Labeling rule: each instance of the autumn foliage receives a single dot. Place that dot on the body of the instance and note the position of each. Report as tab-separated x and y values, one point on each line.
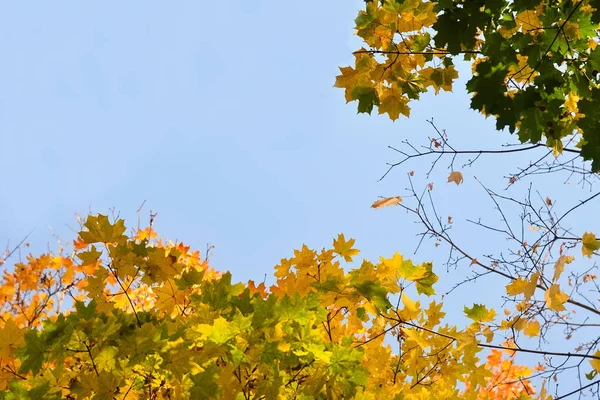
533	64
137	317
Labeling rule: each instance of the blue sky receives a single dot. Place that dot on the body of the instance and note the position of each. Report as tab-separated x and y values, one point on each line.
222	117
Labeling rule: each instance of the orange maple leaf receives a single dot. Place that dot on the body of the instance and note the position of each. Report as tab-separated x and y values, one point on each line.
456	177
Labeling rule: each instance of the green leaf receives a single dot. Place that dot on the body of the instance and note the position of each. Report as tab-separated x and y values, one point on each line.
375	293
367	97
189	279
205	384
32	353
532	126
106	359
100	230
479	313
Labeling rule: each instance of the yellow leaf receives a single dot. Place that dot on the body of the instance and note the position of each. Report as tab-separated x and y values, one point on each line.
532	328
388	201
589	244
417	337
455	177
523	286
11	337
450	74
488	333
559	267
571	102
344	248
411	308
555	298
393	103
595	363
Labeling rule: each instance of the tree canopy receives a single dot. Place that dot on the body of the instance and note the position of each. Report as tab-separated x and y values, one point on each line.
534	64
137	317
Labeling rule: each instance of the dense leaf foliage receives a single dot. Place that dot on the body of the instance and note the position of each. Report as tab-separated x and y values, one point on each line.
534	63
141	318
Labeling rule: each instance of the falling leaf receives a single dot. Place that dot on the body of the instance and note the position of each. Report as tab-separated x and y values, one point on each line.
589	244
559	267
455	177
387	201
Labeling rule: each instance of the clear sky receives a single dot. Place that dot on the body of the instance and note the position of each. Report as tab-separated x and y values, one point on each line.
221	115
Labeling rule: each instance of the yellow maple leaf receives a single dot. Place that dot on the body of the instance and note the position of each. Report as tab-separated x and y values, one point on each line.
555	298
532	328
392	102
456	177
11	337
523	286
559	267
411	308
488	334
595	363
571	102
589	244
450	74
344	248
387	201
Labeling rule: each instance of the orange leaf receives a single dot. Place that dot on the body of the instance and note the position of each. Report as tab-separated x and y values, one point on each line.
455	177
387	201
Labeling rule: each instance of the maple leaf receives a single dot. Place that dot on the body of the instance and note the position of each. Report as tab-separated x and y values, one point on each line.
479	313
344	248
589	244
532	328
523	286
559	266
455	177
387	201
393	103
99	229
595	363
555	298
11	338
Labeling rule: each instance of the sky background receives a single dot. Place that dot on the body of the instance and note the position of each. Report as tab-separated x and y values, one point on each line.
223	118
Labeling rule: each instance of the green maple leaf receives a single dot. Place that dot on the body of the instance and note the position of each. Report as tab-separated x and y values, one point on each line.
367	97
374	292
532	126
189	279
425	284
89	257
479	313
106	359
205	384
100	230
32	353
